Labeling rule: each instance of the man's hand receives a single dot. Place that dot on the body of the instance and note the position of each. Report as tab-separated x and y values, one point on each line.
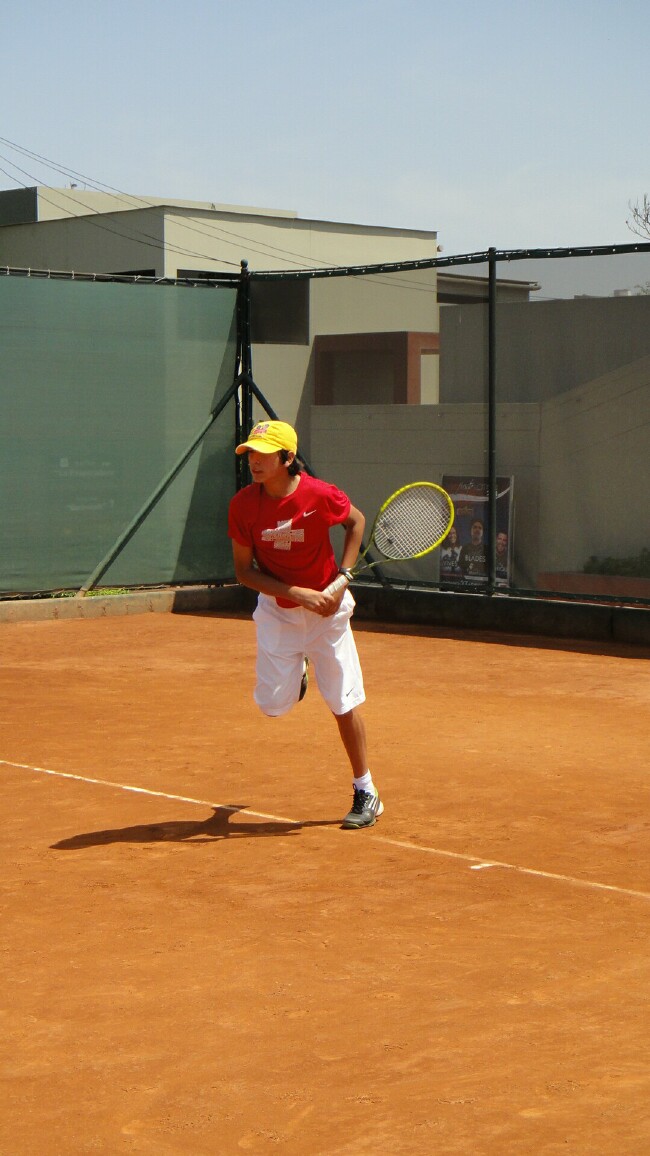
318	601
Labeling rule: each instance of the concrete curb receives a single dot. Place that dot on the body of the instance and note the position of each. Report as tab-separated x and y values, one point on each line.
179	600
617	625
506	614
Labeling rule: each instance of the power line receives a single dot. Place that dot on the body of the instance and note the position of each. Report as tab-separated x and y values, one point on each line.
212	231
136	235
140	202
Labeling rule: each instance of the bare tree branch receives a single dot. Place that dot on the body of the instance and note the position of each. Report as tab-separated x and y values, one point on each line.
639	222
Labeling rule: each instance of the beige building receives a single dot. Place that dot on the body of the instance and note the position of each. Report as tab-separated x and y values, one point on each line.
93	232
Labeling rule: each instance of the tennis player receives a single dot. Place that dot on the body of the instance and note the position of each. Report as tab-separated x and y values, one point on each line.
279	526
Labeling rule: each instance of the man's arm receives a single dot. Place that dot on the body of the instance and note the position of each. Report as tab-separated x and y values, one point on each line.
354	525
248	574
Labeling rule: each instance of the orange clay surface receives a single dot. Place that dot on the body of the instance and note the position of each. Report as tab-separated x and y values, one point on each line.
196	959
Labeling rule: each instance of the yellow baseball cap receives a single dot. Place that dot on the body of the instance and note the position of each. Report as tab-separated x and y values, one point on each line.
267	437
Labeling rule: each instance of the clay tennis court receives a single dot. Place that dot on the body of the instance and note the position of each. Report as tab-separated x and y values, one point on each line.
198	960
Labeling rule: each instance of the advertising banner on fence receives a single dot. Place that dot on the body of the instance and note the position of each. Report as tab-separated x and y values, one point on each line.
464	558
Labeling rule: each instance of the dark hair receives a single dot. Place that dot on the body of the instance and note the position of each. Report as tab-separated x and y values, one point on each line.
295	468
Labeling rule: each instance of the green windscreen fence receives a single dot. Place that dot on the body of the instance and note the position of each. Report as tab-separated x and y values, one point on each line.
103	387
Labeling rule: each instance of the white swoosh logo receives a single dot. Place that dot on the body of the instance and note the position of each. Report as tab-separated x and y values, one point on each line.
309	514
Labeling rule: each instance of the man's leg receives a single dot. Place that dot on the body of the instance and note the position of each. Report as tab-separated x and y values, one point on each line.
366	804
340	681
280	657
352	730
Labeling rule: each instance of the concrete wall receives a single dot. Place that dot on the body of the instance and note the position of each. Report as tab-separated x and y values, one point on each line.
370	451
581	464
544	348
384	302
110	244
595	470
286	242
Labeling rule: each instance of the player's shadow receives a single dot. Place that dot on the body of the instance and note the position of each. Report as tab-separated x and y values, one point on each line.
218	826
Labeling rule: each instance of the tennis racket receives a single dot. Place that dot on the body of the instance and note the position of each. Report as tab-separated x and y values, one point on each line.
410	524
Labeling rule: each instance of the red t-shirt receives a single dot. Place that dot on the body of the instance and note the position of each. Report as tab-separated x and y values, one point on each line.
290	536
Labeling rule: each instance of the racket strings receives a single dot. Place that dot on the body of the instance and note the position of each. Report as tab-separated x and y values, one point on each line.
414	521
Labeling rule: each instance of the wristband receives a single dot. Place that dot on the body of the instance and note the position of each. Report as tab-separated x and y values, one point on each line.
346	573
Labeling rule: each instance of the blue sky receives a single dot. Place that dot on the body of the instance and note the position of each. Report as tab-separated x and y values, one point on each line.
513	123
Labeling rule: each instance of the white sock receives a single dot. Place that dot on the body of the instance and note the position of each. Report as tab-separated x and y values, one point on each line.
365	783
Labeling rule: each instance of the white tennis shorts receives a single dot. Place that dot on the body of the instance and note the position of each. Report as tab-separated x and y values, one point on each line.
285	637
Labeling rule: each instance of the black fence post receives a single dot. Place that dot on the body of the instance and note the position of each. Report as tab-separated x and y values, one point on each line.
245	359
492	420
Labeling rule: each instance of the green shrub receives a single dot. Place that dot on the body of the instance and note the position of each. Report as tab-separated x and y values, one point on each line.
635	566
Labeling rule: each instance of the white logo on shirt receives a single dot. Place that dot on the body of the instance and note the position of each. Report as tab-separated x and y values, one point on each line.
283	536
308	513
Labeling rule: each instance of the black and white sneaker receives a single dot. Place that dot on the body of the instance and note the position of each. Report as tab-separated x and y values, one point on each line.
366	809
304	681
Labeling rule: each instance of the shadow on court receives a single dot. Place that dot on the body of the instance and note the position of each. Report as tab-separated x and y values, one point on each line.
218	826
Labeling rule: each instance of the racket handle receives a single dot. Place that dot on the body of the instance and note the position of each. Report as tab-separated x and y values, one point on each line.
338	584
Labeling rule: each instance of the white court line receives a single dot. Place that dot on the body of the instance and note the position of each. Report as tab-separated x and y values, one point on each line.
483	863
477	863
146	791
